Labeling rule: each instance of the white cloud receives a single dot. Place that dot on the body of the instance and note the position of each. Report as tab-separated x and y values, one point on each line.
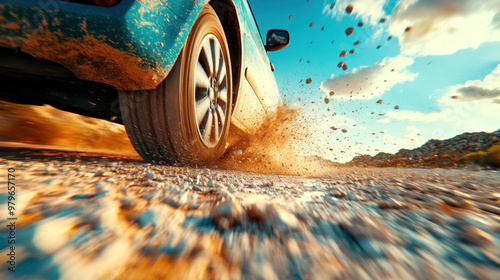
368	82
488	88
410	140
474	109
370	11
403	115
440	27
384	121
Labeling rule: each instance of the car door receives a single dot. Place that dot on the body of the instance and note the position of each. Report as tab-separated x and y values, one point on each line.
258	85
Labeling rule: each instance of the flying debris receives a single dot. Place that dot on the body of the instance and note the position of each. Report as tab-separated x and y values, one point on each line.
333	42
408	29
344	67
308	80
332	93
382	20
396	107
349	9
333	128
332	5
380	101
340	64
344	130
327	100
343	53
310	25
351	51
360	24
322	28
356	43
349	31
389	38
379	46
290	17
300	60
454	97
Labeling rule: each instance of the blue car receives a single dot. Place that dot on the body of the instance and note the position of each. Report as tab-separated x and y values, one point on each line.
178	74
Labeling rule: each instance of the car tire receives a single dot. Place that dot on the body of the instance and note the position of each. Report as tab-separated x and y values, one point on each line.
186	119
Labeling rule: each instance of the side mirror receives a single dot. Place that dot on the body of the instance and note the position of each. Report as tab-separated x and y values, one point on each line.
277	39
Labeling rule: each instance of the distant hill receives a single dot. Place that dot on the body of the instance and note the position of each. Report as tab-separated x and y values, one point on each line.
434	153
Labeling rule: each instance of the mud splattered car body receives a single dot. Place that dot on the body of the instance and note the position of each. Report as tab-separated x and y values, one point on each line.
86	55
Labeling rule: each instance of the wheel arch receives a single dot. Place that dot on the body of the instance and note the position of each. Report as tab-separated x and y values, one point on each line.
227	13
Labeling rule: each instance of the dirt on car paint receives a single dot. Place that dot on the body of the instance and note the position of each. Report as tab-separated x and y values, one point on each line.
89	57
100	62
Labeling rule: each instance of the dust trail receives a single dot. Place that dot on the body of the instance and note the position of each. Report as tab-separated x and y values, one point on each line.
278	147
47	126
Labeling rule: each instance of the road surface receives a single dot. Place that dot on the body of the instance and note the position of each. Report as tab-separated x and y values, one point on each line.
84	216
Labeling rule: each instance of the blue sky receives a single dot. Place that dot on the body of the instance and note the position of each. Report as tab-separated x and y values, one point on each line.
443	73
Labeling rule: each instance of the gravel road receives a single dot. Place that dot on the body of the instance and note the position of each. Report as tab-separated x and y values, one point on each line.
90	217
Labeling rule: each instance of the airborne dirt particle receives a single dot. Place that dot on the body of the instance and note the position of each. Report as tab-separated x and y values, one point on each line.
322	28
356	43
360	24
340	64
396	107
380	101
290	17
349	31
332	93
332	5
379	46
308	80
382	20
327	100
311	25
344	130
408	29
344	67
343	53
349	9
389	38
351	51
334	128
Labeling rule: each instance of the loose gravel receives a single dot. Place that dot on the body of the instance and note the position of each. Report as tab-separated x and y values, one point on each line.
97	218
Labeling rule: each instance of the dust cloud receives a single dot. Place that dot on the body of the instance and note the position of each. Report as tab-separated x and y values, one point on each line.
278	147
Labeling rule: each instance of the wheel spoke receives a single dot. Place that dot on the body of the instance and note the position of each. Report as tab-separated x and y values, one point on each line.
207	132
208	54
202	107
222	96
216	51
222	115
201	78
221	75
216	126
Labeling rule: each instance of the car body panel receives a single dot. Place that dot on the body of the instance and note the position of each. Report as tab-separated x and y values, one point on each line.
127	46
258	87
133	45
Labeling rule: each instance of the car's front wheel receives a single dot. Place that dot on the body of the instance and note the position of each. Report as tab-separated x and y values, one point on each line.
186	119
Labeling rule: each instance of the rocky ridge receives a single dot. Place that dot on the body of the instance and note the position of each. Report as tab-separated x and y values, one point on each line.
434	153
